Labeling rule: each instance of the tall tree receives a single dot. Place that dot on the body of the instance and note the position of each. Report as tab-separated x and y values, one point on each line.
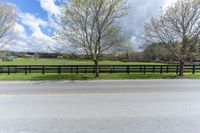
178	27
7	24
89	26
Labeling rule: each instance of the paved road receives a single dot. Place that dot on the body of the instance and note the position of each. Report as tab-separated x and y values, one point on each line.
157	106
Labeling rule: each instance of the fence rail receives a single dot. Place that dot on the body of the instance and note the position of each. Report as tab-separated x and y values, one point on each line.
67	69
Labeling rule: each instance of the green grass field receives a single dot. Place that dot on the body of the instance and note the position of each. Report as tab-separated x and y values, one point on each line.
35	77
21	61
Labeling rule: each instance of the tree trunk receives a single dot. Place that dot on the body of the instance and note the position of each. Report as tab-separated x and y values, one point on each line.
96	63
181	71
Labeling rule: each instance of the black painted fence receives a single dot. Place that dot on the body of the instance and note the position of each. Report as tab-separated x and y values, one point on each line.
67	69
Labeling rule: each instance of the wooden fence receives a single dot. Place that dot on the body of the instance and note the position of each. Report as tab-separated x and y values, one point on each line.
67	69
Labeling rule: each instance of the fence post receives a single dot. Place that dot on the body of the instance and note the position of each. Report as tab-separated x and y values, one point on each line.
193	69
167	69
161	69
8	70
59	70
25	70
43	70
1	69
77	70
128	69
144	69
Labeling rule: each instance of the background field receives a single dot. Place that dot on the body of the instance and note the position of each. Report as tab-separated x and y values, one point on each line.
21	61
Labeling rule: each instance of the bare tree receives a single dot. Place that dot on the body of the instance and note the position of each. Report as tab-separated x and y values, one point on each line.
178	27
89	26
7	24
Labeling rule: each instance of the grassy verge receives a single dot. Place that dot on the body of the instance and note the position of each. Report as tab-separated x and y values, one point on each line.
35	77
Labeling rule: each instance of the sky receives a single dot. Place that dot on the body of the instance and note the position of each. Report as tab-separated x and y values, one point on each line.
36	23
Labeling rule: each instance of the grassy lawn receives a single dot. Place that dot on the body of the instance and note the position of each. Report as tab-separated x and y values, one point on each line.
35	77
21	61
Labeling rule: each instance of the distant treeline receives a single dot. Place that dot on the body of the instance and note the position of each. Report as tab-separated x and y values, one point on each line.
154	52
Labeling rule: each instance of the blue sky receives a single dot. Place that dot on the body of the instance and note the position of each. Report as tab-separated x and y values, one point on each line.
36	23
30	6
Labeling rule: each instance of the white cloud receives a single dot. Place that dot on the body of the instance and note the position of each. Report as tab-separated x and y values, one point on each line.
34	24
37	40
50	6
19	29
52	10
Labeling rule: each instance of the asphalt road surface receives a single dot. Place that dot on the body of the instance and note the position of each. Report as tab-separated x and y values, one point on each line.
149	106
